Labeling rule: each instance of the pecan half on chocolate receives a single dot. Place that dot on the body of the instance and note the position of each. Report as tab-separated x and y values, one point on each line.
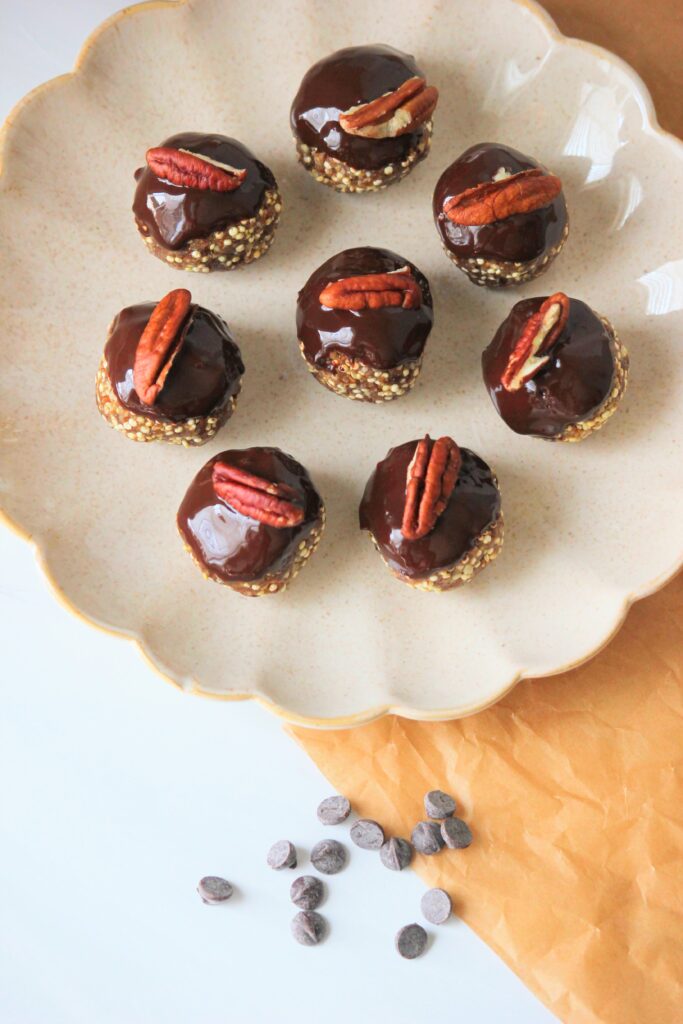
531	351
274	504
496	200
394	113
193	170
160	343
431	477
372	291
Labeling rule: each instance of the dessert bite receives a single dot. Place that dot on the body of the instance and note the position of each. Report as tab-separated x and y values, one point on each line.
362	118
501	216
170	371
363	319
251	519
555	369
433	512
204	202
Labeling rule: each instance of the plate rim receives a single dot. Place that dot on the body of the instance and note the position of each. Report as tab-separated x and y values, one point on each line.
650	123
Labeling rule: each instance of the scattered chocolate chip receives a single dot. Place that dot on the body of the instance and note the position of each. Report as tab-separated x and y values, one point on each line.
334	810
411	941
367	834
282	855
308	928
396	854
439	804
456	833
436	906
307	892
214	889
427	837
328	856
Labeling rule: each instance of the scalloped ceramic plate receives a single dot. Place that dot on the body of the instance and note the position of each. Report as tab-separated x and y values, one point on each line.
590	527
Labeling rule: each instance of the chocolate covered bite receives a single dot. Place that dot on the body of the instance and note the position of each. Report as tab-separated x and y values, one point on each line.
170	371
501	216
363	319
250	519
362	118
555	369
204	202
433	512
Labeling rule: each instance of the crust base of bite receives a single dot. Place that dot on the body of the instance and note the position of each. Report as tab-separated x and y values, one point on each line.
500	273
577	431
362	383
190	433
336	174
227	249
271	583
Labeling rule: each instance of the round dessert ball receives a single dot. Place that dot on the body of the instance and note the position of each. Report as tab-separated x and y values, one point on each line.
555	369
501	216
433	512
204	202
362	118
250	519
170	371
363	319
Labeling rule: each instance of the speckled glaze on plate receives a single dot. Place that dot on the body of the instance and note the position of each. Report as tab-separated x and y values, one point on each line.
590	527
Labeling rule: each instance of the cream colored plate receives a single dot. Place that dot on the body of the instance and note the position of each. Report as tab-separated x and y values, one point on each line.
590	527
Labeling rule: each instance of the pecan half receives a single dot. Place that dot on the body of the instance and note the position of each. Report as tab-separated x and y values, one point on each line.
540	333
431	477
159	344
260	499
393	113
193	170
498	199
372	291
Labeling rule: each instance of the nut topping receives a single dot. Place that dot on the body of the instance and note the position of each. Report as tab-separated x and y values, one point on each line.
394	113
193	170
373	291
159	344
430	480
540	333
495	200
268	502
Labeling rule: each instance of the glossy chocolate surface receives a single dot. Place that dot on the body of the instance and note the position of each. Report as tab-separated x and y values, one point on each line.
381	338
569	388
230	544
473	505
519	238
204	376
174	215
347	79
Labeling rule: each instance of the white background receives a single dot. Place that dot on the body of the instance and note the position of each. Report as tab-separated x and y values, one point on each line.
119	793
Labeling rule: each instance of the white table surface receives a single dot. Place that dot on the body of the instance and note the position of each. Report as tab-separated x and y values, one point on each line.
119	793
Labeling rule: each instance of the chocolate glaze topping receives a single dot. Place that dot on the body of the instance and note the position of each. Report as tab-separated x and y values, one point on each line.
347	79
381	338
473	505
570	388
174	215
204	376
519	238
234	546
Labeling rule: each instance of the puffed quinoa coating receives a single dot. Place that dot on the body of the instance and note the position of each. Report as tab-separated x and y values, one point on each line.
362	383
501	273
329	170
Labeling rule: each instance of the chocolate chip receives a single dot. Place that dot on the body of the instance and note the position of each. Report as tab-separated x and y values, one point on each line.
282	855
427	837
334	810
396	854
308	928
436	906
307	892
214	889
328	856
367	834
411	941
439	804
456	833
